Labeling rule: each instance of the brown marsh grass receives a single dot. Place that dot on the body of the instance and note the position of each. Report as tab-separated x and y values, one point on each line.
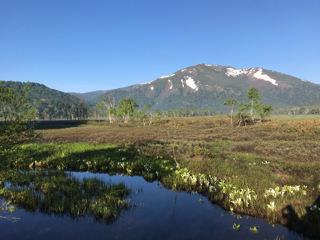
289	140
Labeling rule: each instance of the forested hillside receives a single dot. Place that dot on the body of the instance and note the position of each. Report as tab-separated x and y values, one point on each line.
50	103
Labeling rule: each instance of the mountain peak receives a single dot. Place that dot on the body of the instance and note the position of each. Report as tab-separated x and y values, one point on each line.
207	86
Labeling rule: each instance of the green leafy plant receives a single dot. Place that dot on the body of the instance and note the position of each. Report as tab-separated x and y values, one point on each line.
126	108
16	114
254	229
237	227
6	206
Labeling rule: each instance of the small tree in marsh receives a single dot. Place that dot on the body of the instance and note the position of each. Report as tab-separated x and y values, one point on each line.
233	102
109	102
126	108
99	110
16	114
263	110
144	113
242	113
253	95
256	108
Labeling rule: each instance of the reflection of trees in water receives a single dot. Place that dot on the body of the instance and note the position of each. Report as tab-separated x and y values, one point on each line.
308	225
6	210
61	194
173	214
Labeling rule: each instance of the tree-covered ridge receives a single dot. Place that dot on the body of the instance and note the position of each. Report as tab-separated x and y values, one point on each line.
49	103
38	91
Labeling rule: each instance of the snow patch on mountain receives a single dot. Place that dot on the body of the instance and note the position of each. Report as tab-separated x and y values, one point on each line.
264	77
148	82
304	80
152	88
182	82
166	76
191	83
236	72
171	86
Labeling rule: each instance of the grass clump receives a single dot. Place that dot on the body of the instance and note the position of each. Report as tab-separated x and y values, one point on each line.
62	194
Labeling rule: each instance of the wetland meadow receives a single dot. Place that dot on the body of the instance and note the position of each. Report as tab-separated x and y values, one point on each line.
179	178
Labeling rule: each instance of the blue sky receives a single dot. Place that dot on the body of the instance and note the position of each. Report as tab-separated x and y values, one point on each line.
82	46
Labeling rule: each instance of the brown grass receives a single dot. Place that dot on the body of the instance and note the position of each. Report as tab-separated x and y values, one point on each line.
290	140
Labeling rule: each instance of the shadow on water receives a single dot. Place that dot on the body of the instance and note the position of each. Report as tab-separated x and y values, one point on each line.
308	225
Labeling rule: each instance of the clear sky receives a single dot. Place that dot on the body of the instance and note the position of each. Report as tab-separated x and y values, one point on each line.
88	45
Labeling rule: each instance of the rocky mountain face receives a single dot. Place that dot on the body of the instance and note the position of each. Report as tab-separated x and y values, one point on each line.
206	86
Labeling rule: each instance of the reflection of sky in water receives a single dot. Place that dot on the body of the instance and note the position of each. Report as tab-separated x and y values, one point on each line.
192	219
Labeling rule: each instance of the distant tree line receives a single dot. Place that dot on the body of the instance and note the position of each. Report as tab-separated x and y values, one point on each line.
315	109
127	109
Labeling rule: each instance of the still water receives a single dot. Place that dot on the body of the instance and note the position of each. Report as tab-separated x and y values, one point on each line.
162	214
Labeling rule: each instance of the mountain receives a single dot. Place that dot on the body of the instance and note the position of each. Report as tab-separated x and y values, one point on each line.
206	86
88	95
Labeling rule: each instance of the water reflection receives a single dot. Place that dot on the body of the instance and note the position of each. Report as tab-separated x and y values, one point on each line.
166	214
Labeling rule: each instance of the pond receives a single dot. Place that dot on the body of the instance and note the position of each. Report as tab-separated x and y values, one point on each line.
160	213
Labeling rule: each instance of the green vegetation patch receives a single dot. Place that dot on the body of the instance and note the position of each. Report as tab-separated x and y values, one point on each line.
62	194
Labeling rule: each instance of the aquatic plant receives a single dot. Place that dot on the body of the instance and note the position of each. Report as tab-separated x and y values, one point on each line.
237	202
271	206
61	193
6	206
6	209
237	227
254	229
